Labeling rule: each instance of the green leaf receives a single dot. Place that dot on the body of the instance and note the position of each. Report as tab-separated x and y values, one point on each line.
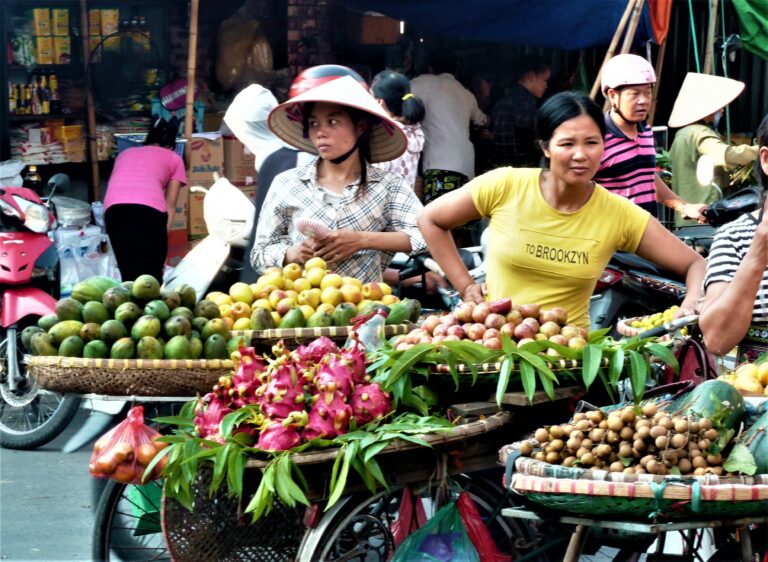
508	344
365	474
597	336
282	477
528	376
548	386
235	472
663	353
409	358
616	366
741	460
451	362
506	370
374	468
638	374
337	487
592	357
371	451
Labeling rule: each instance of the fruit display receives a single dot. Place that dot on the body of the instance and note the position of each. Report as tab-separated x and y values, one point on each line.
131	320
644	323
317	390
309	297
749	378
688	436
486	322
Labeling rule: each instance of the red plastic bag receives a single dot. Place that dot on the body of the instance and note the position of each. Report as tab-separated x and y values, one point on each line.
478	533
411	516
124	452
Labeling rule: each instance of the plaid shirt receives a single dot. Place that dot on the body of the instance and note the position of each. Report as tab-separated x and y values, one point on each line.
513	120
385	204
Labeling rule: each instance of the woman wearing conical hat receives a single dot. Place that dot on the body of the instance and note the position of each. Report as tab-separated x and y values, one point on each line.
697	110
360	215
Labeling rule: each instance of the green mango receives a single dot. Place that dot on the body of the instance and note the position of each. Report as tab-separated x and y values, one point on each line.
195	348
215	347
69	309
294	318
147	325
27	333
41	343
177	326
399	313
95	349
64	329
149	348
145	288
72	346
320	319
90	331
112	330
95	312
344	313
177	347
128	313
184	312
114	297
159	309
261	319
48	321
124	348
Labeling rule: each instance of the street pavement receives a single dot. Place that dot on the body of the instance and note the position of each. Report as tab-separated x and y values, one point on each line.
47	501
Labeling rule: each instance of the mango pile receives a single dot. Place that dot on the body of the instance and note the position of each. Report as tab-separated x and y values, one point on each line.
308	297
131	320
645	323
749	378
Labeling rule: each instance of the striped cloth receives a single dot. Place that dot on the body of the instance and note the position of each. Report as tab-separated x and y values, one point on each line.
628	166
729	249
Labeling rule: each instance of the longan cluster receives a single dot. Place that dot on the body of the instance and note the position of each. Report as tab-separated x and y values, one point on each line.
633	440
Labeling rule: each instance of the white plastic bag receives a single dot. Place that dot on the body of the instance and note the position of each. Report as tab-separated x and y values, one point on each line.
10	173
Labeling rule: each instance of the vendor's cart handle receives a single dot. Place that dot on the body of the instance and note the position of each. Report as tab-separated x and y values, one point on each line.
671	327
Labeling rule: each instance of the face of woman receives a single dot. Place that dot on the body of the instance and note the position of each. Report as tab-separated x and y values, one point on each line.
575	149
332	131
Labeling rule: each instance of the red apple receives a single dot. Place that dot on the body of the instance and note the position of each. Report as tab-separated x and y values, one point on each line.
491	333
457	331
524	331
533	323
494	320
481	312
501	306
463	311
476	331
492	343
449	319
547	316
430	322
584	333
530	310
441	330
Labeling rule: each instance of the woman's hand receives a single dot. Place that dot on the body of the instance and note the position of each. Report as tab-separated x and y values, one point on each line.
300	252
339	245
474	292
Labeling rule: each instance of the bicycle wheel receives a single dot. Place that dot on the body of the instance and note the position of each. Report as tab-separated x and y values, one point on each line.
29	416
127	525
360	527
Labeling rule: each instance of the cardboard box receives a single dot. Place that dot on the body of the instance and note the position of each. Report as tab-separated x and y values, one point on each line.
212	120
44	50
181	213
239	162
60	22
94	22
197	228
62	50
178	246
110	21
206	157
373	30
41	21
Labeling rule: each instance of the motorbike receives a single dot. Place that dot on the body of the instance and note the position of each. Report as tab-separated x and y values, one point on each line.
29	415
631	286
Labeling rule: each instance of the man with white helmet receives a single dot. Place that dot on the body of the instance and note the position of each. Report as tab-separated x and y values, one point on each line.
628	165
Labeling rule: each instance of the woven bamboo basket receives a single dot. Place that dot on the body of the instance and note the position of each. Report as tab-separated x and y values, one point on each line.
615	494
292	337
127	377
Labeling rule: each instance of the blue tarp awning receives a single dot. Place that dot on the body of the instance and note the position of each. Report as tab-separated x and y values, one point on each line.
560	24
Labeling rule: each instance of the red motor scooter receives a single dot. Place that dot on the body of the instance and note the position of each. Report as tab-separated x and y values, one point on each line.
29	415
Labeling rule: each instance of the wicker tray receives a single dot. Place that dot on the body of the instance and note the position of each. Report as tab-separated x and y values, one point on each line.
624	328
584	492
127	377
458	433
491	368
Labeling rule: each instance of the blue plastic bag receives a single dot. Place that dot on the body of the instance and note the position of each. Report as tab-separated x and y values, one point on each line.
442	539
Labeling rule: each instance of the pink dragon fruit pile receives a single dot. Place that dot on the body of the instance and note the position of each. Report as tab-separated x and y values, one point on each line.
314	391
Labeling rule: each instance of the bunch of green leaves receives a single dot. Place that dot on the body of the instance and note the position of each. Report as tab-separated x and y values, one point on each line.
281	477
530	365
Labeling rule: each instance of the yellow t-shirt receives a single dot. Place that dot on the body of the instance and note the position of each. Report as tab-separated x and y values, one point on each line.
537	254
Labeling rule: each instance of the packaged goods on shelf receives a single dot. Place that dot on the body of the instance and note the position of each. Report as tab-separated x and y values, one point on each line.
62	50
69	132
41	21
44	50
110	20
60	22
94	22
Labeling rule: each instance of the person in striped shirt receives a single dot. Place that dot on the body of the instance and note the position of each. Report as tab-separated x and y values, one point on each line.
736	282
628	166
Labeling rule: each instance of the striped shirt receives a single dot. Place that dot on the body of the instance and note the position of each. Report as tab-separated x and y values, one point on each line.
729	249
628	166
385	204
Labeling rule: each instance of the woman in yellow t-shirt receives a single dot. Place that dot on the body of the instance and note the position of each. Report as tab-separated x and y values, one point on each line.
552	231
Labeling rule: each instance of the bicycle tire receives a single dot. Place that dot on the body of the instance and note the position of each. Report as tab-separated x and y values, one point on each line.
322	544
118	533
31	418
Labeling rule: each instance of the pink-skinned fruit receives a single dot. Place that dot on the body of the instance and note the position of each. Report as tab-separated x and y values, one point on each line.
278	401
481	312
209	411
334	374
369	402
355	357
315	352
430	323
277	437
328	419
463	312
449	319
530	310
501	306
494	320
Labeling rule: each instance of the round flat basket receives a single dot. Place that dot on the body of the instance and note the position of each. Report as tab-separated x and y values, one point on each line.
263	340
586	492
624	327
128	377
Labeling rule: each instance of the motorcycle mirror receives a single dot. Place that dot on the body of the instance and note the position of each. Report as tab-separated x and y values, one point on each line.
705	169
58	183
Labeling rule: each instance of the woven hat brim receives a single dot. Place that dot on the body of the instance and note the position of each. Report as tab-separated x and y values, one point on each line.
387	141
702	95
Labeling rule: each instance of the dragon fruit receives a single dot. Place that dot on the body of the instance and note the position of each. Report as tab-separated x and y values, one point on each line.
316	351
328	418
334	375
368	403
283	392
247	379
277	437
209	411
355	357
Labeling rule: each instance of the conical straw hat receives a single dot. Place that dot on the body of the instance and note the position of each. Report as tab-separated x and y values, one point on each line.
702	95
386	139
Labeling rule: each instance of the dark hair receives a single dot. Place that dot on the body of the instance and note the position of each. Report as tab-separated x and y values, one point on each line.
531	63
762	142
442	61
162	132
395	90
357	115
560	108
